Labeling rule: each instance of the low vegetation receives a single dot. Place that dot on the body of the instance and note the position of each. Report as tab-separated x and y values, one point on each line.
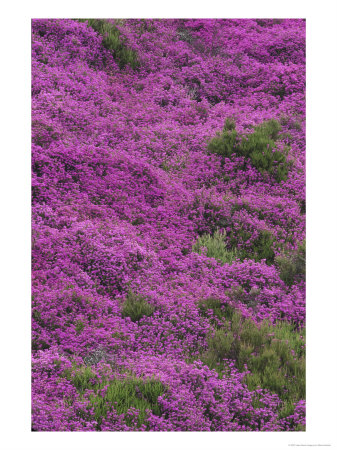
135	306
112	41
273	354
215	247
259	146
119	394
292	264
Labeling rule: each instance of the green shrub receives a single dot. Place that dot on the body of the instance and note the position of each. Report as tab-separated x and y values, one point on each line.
129	393
112	41
79	326
261	248
274	355
225	144
292	264
122	394
229	124
238	295
218	309
258	146
269	129
82	378
136	307
215	247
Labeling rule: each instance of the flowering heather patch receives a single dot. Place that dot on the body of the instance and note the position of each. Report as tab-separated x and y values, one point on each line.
168	225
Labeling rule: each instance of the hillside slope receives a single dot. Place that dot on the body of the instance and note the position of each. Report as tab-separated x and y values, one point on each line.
168	205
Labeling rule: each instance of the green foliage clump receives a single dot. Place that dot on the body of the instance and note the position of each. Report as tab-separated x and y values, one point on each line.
274	355
292	264
79	326
121	394
258	146
226	143
82	378
136	307
229	124
129	393
261	247
215	247
219	310
112	41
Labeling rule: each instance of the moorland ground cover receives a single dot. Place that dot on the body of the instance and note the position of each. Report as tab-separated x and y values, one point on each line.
168	225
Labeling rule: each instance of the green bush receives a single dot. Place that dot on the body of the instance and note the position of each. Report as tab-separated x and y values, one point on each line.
261	248
292	264
274	355
225	144
129	393
136	307
112	41
82	378
79	326
122	394
229	124
219	310
258	146
215	247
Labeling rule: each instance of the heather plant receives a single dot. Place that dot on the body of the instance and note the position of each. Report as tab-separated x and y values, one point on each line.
136	306
149	395
215	247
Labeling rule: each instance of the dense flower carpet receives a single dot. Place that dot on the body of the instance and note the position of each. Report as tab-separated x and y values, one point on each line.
168	225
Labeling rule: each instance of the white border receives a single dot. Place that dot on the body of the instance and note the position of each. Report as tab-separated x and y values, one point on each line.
321	224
